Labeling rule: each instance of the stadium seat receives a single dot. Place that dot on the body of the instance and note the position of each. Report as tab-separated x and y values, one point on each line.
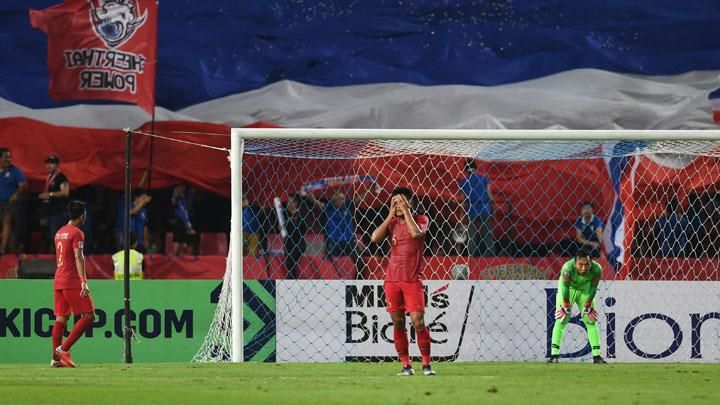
344	266
275	244
213	244
316	268
315	244
254	268
276	268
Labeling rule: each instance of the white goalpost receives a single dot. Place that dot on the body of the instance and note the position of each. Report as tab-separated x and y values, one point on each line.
236	247
655	192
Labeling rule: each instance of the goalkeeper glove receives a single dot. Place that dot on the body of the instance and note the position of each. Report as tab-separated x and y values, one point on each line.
590	312
563	312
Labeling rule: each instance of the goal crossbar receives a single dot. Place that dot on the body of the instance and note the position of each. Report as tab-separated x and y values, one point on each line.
478	134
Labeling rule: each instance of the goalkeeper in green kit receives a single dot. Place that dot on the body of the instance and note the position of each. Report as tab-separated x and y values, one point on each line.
579	279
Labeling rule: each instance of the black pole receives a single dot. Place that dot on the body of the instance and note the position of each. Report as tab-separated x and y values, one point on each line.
127	332
152	152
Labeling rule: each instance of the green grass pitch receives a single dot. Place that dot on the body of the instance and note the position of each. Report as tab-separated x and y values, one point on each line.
533	383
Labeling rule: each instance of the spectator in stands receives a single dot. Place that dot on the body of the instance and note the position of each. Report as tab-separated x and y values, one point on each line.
55	195
670	230
184	234
138	218
477	197
120	212
251	229
339	227
297	213
589	230
136	262
12	190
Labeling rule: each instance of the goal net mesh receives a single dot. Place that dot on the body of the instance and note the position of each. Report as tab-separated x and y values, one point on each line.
504	216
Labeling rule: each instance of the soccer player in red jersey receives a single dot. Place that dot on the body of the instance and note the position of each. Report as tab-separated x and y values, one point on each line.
404	292
71	287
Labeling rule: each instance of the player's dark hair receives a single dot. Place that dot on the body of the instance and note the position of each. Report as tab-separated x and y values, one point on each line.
588	204
75	209
583	253
4	150
402	191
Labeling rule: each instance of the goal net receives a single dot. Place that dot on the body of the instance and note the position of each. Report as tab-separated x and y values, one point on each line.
506	210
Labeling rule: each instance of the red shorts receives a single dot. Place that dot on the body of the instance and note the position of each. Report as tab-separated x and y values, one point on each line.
70	299
405	296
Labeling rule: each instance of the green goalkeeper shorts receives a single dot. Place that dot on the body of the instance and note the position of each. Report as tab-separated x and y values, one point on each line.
578	297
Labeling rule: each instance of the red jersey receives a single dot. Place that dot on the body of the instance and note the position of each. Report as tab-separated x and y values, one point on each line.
67	239
406	253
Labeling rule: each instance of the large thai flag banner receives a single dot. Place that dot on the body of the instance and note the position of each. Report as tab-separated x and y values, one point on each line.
101	50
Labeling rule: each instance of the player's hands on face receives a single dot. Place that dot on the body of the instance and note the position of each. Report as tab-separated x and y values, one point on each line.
590	312
393	206
84	289
563	312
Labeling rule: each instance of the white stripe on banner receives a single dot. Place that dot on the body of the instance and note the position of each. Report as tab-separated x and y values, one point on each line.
578	99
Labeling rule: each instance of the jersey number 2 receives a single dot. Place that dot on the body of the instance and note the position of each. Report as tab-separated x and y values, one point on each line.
59	254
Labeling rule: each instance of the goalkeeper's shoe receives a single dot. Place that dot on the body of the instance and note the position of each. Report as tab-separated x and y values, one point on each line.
553	360
407	371
599	360
427	370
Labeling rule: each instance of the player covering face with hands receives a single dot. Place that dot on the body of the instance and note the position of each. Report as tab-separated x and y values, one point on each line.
578	283
404	292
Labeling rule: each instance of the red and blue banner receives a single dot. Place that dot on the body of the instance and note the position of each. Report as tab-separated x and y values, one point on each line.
101	50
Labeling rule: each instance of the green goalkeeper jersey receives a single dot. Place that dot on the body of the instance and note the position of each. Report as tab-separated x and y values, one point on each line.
580	281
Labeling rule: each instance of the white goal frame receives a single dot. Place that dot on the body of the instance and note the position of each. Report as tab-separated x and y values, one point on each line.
236	155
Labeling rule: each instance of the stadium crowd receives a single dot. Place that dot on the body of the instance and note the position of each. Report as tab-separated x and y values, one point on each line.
30	218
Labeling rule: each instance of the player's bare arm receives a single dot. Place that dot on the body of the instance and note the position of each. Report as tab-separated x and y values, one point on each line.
381	232
80	264
412	226
565	310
